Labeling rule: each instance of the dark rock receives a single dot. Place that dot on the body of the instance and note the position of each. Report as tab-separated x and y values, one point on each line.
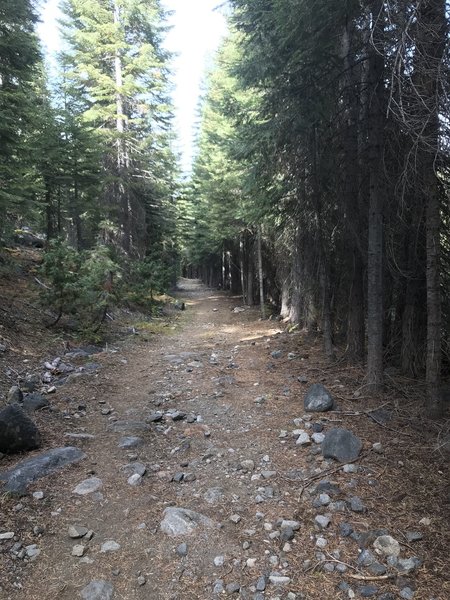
341	444
31	383
366	558
367	591
130	442
182	549
367	538
261	584
17	431
356	504
15	395
380	415
276	354
345	529
318	399
34	401
377	569
154	417
27	471
317	427
407	593
177	415
287	534
414	536
326	486
233	588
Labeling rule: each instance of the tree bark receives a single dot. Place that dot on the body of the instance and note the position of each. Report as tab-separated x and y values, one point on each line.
376	123
260	273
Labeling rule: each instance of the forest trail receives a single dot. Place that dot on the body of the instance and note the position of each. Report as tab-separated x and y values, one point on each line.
231	456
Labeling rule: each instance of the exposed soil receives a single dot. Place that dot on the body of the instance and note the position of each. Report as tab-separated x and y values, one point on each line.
215	364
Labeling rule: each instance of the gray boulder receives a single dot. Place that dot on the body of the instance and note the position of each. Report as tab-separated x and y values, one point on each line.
27	471
17	431
15	395
341	444
98	590
318	399
181	521
31	383
34	401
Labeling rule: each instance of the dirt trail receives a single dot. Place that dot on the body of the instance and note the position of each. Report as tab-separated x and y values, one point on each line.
213	369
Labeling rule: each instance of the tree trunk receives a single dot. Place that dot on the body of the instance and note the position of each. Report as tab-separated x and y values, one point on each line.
241	266
376	123
430	47
260	273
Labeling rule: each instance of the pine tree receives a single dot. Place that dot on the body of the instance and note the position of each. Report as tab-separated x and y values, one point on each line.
19	56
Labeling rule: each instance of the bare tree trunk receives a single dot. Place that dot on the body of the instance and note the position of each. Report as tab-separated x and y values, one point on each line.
430	46
376	122
250	271
123	193
260	273
241	267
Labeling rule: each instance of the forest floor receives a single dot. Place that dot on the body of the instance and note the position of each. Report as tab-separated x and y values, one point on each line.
233	458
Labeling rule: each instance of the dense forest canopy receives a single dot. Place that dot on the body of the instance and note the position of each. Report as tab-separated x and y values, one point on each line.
320	185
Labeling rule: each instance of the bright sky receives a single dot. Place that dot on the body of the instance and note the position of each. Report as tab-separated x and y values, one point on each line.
197	30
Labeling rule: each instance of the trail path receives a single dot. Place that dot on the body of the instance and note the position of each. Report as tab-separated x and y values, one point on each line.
231	455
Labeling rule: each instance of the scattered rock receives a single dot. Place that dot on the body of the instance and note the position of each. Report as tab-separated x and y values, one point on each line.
387	545
408	565
414	536
303	439
318	399
98	590
181	521
17	431
276	354
235	519
134	468
366	558
367	591
407	593
78	550
27	471
134	480
341	444
7	535
155	417
233	588
15	395
77	531
110	546
34	401
322	521
130	442
88	486
318	437
345	529
182	549
218	561
279	580
141	580
356	504
31	383
213	495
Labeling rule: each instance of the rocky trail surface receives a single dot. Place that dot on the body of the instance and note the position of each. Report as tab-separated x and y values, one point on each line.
205	466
